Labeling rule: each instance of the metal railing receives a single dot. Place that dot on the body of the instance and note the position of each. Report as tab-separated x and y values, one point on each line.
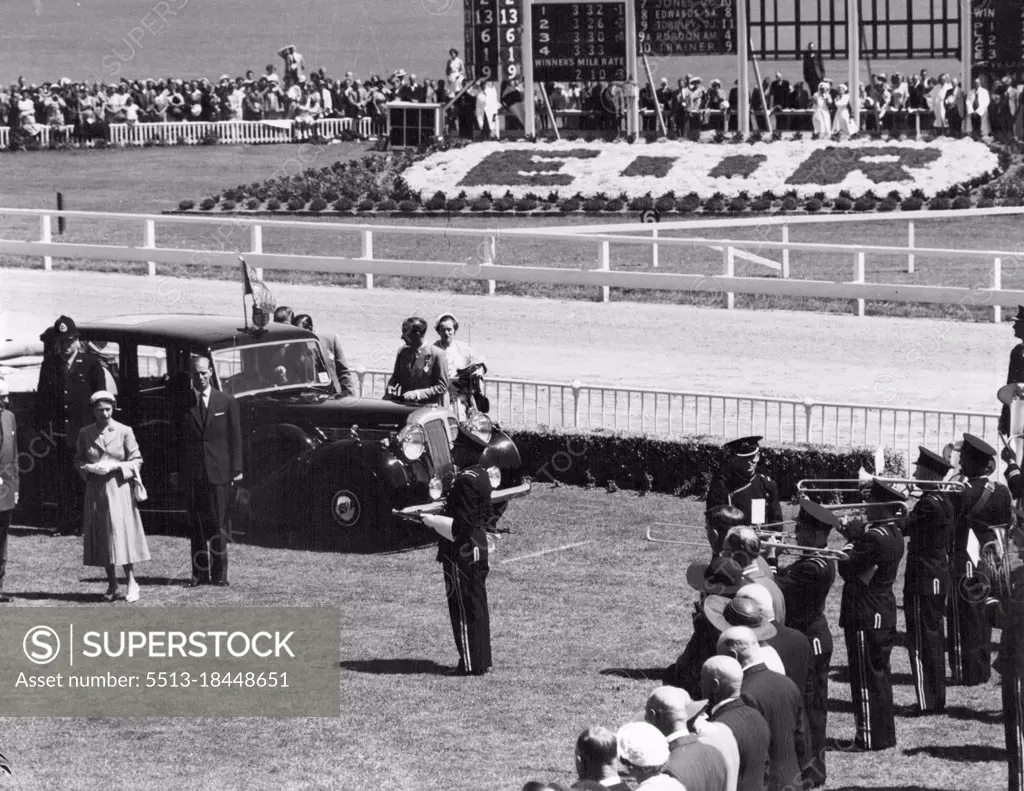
667	413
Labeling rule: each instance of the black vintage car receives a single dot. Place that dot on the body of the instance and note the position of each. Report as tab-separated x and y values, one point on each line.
322	470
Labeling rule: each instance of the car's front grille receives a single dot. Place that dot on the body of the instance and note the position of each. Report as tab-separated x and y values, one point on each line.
440	453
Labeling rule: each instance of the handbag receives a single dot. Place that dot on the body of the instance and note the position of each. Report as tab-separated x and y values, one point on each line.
139	493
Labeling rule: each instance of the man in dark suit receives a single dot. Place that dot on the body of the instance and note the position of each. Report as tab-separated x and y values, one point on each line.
806	584
743	545
780	702
930	532
8	477
981	506
1015	373
721	683
791	646
67	379
213	463
814	68
596	753
868	616
694	763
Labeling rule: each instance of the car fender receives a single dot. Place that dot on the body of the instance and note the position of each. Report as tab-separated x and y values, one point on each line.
501	452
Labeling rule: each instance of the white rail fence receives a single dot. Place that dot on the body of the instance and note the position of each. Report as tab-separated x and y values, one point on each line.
666	413
195	132
716	288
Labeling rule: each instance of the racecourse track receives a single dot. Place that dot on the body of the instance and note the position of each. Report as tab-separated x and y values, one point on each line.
874	360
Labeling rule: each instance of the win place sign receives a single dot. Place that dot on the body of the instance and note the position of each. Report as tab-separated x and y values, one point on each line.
169	662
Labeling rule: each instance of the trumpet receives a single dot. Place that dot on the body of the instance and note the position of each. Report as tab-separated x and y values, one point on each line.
786	547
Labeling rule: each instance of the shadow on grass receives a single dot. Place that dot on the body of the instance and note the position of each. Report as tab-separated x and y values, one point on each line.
841	706
964	713
142	580
961	753
635	673
891	788
394	667
53	596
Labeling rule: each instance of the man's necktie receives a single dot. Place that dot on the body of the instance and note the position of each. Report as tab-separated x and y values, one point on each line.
202	409
975	102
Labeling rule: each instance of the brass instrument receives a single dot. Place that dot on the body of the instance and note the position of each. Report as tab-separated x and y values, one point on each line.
788	548
914	486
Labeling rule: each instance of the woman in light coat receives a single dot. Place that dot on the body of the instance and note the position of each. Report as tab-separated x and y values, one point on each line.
822	117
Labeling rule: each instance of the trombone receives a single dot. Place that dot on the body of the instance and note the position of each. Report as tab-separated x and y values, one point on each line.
786	547
914	486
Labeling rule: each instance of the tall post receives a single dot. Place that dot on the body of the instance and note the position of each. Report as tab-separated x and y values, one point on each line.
858	277
60	217
654	247
368	255
150	243
530	122
45	237
742	56
853	48
966	43
657	104
729	266
910	245
997	283
633	117
605	265
785	251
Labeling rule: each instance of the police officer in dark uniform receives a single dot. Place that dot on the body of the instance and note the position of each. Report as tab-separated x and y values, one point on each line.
806	584
740	484
67	379
464	556
929	530
982	505
1016	369
868	615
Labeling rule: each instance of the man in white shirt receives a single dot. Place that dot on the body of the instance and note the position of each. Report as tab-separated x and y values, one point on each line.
978	100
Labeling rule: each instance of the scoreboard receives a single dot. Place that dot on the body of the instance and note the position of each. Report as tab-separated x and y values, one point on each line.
686	27
997	36
494	36
579	42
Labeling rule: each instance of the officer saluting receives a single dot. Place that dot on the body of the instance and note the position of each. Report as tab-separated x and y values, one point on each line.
981	506
868	616
806	584
929	530
463	553
740	484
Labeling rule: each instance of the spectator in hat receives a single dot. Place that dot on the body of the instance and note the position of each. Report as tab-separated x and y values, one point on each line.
696	764
67	379
1015	373
420	375
805	585
643	753
868	615
982	505
740	484
9	477
107	457
294	65
744	546
821	119
721	681
929	529
596	755
814	67
778	700
334	355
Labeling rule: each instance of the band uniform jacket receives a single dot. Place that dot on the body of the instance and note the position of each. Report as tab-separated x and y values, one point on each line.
423	369
62	397
805	585
8	460
868	601
973	514
1014	374
469	505
214	449
929	529
727	490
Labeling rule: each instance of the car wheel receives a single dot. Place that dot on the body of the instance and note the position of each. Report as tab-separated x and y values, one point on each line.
343	517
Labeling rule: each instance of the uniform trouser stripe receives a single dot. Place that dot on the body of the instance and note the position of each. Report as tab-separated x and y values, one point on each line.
956	656
1017	761
917	651
463	629
865	693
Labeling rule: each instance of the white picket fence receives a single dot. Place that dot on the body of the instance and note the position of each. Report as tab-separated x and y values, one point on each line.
193	133
666	413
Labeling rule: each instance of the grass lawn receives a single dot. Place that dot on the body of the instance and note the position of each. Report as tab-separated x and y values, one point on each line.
153	180
561	620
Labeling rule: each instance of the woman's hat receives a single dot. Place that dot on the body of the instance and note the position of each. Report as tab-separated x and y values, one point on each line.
102	395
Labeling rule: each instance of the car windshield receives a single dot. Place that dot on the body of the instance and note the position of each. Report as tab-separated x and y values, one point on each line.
271	366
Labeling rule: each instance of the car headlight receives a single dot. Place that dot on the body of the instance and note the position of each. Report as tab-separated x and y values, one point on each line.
412	439
495	475
480	426
436	488
453	429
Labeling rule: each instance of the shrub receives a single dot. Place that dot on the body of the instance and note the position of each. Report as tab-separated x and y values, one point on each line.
887	205
688	203
366	205
569	205
594	205
842	203
504	204
738	204
864	203
437	202
408	206
273	204
790	203
615	204
329	195
962	202
913	203
714	205
343	204
227	205
643	203
665	203
760	204
939	204
481	204
456	204
526	204
253	203
812	205
387	205
185	205
317	204
207	204
296	204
